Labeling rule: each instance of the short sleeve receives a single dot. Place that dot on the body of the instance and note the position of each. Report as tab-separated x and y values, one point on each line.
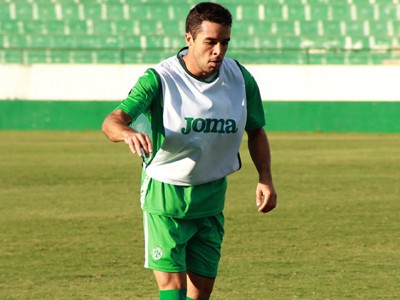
141	95
255	111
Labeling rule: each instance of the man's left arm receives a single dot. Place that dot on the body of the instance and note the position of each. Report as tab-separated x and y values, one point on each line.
266	196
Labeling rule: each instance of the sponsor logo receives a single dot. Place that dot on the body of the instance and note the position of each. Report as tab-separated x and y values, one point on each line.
209	125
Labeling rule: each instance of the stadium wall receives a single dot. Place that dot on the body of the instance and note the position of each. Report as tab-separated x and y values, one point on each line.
296	98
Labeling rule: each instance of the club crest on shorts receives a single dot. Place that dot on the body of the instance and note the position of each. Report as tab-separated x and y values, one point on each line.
156	253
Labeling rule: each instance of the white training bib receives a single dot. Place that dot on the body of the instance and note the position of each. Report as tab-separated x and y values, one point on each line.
203	122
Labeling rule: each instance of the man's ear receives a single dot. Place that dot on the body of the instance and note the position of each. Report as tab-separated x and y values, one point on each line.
189	38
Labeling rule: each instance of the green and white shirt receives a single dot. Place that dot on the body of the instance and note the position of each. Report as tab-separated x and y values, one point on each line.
196	127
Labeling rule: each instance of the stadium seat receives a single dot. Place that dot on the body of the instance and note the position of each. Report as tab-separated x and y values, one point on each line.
121	31
334	28
76	27
38	56
355	28
388	12
319	12
47	12
10	26
310	28
248	12
4	11
296	12
94	12
60	56
81	56
72	11
380	28
108	57
25	12
273	13
366	12
117	12
341	12
10	56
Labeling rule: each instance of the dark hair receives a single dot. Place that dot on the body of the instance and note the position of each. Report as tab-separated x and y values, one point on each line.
207	11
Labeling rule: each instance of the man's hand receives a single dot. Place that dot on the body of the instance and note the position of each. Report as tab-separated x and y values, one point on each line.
115	127
139	143
266	197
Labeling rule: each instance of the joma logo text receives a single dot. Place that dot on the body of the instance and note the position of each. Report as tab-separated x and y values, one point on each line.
209	125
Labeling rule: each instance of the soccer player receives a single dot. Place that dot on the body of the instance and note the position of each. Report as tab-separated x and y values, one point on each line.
197	105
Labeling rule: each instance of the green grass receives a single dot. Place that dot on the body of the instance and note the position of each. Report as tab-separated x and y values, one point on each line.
70	220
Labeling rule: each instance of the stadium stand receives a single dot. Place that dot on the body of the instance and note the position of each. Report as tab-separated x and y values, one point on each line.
145	31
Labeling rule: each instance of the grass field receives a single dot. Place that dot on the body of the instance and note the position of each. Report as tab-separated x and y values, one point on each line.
70	220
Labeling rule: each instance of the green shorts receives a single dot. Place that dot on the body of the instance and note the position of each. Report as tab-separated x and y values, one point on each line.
179	245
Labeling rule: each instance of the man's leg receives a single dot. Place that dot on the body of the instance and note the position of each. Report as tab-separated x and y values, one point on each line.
172	286
199	287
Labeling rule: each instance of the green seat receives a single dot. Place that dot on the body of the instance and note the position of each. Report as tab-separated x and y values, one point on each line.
24	11
4	11
340	12
310	28
355	28
319	12
129	42
17	40
60	56
361	2
380	28
10	56
365	12
273	13
359	43
101	27
9	27
47	12
76	27
34	27
248	12
115	11
293	42
173	27
81	56
383	42
333	59
396	28
163	43
180	11
65	41
35	56
323	43
148	27
332	28
288	28
109	57
296	12
149	12
327	2
56	27
360	58
124	27
70	11
41	41
92	12
389	12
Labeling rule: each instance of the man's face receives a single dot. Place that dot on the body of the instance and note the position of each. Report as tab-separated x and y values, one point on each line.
208	49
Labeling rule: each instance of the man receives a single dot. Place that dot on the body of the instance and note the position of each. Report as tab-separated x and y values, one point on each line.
197	105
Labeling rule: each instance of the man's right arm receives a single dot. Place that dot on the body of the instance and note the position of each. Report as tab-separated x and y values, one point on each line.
115	127
116	124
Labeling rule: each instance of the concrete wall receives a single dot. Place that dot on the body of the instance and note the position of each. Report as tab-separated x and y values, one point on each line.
288	83
297	98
